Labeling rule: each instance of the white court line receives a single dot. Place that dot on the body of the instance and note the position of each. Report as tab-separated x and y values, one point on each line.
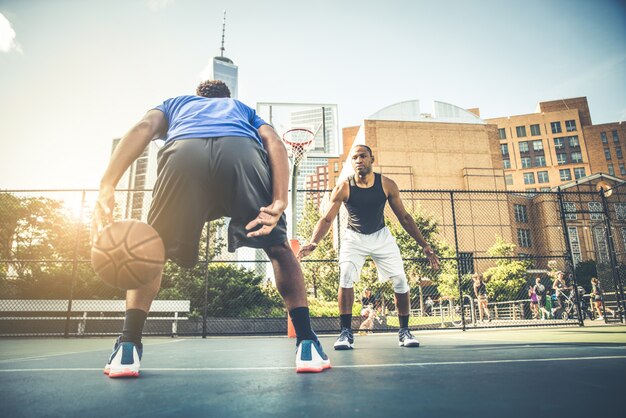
355	366
45	356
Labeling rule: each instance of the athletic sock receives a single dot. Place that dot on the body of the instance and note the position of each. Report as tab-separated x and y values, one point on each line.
133	326
302	323
404	321
346	321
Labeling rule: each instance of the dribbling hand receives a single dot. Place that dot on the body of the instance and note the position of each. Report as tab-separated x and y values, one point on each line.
306	250
268	217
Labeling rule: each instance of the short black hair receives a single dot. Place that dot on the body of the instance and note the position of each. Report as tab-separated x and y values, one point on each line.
213	89
364	146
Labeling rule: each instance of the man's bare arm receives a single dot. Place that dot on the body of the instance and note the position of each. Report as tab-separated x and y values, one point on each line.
152	126
340	194
279	166
407	221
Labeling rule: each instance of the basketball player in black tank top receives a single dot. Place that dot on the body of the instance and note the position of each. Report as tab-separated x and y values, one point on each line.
364	196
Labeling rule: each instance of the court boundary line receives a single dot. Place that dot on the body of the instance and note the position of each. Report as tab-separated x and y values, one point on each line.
353	366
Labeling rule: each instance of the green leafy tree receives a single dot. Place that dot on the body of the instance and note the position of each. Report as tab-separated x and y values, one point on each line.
507	279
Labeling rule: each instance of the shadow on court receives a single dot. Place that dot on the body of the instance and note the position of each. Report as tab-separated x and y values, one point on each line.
563	372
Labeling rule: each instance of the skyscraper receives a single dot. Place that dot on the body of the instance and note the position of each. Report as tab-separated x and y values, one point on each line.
224	69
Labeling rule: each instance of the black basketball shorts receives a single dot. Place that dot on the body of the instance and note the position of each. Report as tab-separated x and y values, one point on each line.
203	179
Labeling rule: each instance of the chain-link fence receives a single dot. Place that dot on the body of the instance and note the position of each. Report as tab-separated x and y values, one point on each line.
516	241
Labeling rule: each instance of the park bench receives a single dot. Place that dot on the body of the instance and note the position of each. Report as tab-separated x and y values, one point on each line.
84	310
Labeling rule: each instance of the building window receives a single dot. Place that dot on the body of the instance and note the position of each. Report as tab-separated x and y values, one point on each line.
466	263
504	149
540	161
579	173
561	158
538	145
526	162
622	169
523	238
602	249
502	133
603	137
624	236
620	211
544	189
570	211
529	178
595	209
558	143
508	179
618	153
523	146
336	167
521	214
565	174
615	137
535	130
607	153
542	177
570	125
611	169
521	131
556	127
577	157
573	141
506	163
574	245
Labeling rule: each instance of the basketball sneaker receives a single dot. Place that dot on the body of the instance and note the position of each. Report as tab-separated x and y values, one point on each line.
310	357
406	339
124	361
345	341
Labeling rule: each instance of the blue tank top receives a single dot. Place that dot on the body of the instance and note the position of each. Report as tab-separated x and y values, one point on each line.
201	117
366	206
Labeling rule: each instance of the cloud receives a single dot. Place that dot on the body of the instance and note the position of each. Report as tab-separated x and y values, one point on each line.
157	5
7	36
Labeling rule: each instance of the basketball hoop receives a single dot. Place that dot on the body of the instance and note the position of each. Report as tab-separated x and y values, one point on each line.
298	142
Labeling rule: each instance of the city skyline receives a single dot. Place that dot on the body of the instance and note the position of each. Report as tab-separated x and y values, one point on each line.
71	82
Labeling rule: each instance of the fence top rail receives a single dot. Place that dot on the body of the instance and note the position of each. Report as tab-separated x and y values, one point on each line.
86	305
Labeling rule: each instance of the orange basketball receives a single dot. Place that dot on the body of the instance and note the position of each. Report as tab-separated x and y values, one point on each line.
129	254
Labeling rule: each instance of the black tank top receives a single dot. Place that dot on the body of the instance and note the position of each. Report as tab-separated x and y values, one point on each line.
366	206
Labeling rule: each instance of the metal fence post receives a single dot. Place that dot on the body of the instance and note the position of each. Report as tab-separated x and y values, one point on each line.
570	256
619	290
206	282
79	225
458	263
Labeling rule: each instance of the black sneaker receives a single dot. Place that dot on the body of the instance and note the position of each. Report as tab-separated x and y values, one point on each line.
345	340
406	339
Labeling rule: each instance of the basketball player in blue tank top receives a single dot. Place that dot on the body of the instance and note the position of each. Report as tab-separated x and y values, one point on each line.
364	196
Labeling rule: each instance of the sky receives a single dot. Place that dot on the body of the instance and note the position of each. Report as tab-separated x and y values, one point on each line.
75	74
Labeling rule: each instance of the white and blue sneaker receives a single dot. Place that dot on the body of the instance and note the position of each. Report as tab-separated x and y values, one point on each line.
345	341
406	339
125	359
310	357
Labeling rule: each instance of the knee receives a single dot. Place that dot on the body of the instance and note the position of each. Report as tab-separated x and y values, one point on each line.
400	284
278	251
348	275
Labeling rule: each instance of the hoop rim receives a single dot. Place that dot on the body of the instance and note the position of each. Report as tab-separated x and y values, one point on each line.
298	144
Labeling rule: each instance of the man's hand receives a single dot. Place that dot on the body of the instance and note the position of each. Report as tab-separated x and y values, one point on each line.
268	217
432	258
103	212
306	250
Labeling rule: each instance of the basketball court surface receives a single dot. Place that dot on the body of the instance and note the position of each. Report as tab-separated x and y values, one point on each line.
548	372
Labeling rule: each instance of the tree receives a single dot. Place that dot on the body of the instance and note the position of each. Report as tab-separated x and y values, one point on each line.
507	279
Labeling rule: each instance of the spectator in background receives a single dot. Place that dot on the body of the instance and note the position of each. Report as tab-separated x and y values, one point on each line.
561	289
598	299
534	302
540	291
480	291
369	311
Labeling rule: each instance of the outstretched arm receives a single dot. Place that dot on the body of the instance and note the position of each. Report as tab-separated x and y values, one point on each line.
407	221
279	165
340	194
152	126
